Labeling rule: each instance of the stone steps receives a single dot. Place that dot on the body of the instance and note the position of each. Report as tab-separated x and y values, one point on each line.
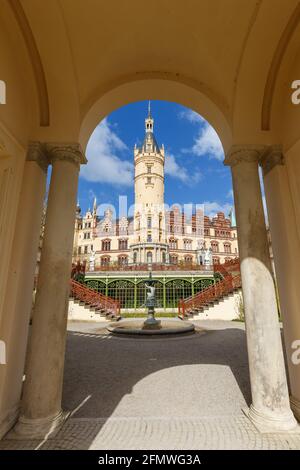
213	309
93	310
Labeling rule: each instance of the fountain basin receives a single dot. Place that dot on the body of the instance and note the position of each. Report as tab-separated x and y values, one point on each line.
136	326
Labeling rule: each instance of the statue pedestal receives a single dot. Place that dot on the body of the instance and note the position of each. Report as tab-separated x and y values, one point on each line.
151	322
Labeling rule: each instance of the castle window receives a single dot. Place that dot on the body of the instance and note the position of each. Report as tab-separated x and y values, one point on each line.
227	248
149	237
105	245
173	259
187	244
123	244
148	168
122	260
105	260
85	250
149	222
215	247
149	257
173	243
149	180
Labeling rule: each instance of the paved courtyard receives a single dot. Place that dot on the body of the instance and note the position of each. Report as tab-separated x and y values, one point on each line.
165	393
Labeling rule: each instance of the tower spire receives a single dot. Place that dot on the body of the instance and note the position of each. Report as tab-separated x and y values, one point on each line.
149	121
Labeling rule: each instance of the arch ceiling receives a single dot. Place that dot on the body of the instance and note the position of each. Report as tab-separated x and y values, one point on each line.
230	61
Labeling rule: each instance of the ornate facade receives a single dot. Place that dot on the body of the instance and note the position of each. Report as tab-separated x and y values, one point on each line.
154	234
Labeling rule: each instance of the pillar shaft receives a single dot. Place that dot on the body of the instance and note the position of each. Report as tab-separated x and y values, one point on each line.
270	409
41	404
18	297
286	249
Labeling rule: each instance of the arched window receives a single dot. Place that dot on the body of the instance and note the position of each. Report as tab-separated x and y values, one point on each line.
187	244
227	247
106	245
123	244
173	243
122	260
135	256
173	259
215	247
149	257
105	260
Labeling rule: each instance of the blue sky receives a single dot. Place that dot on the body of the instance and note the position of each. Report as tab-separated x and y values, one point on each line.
194	170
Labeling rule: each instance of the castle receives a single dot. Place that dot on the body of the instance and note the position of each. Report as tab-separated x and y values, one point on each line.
154	234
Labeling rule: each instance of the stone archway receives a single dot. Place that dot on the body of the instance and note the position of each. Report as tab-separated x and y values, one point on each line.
187	68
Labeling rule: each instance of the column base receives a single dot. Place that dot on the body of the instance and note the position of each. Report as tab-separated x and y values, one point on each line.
41	428
284	422
295	405
8	420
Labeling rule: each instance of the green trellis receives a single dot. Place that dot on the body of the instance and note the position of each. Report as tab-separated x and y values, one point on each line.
131	293
202	284
97	285
177	289
123	291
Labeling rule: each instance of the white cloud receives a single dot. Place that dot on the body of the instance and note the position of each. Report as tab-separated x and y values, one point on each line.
207	141
229	195
211	208
191	116
103	164
176	171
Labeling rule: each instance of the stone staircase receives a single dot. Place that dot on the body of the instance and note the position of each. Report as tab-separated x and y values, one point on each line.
220	301
224	308
87	304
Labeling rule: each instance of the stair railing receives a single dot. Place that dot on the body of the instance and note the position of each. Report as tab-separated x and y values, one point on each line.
94	299
214	292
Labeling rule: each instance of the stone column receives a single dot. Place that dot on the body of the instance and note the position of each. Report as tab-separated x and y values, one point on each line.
286	249
18	297
41	411
270	408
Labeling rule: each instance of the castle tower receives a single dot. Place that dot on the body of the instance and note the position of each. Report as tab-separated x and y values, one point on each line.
149	215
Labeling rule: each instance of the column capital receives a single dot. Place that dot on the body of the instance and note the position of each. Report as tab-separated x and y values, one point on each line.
244	153
36	153
65	151
271	157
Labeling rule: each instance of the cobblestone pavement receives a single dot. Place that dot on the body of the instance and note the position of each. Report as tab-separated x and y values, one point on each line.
164	393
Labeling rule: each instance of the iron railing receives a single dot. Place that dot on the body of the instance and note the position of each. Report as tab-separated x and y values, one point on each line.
226	286
94	299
